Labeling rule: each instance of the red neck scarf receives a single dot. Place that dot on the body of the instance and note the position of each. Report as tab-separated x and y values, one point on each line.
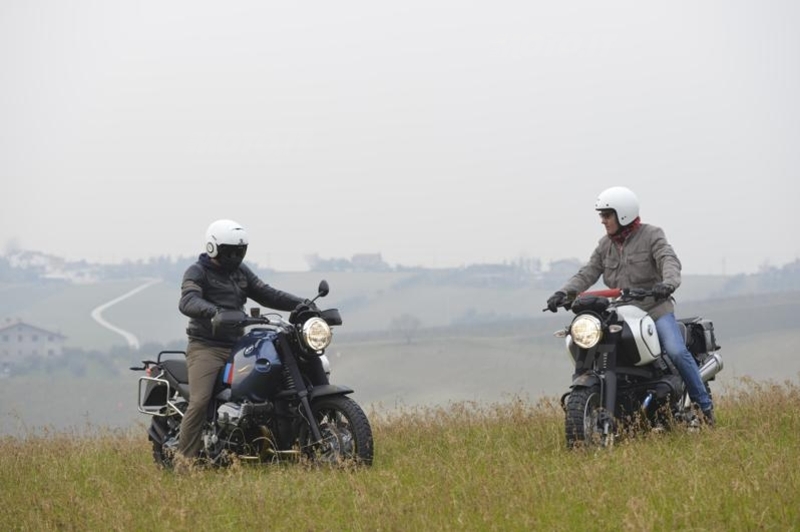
620	236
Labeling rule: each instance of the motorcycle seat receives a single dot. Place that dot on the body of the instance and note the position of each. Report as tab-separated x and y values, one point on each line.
177	369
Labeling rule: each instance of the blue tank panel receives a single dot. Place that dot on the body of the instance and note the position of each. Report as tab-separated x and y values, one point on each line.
255	370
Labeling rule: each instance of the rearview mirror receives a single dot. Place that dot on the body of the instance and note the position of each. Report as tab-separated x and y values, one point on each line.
323	289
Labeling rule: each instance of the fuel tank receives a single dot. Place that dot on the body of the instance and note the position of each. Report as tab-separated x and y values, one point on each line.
643	340
254	370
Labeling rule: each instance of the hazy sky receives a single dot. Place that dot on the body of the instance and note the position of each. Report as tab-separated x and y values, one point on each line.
437	133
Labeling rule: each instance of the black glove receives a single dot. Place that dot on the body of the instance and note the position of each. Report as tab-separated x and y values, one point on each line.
302	307
662	290
226	318
556	300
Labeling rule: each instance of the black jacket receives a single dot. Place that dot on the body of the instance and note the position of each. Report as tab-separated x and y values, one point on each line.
206	287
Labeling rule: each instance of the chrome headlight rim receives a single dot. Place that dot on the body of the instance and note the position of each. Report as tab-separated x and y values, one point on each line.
317	334
586	331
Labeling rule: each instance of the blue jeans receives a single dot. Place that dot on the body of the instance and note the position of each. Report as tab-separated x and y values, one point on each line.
672	342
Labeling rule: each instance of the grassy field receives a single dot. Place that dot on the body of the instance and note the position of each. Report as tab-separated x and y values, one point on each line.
467	466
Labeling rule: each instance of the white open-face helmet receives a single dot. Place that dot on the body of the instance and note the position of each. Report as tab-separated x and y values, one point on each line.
622	200
224	234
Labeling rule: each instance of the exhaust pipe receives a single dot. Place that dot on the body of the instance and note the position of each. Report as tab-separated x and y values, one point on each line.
711	367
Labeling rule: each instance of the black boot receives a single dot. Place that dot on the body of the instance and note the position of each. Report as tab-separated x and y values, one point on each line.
708	417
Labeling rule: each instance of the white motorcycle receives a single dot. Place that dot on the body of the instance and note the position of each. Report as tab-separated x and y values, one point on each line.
622	379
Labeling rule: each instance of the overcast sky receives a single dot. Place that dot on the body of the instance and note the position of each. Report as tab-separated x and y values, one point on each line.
438	133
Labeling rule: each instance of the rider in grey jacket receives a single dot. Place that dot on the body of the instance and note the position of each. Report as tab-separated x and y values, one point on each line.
637	255
644	260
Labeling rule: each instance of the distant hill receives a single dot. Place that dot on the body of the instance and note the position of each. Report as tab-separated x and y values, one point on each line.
484	360
410	336
61	296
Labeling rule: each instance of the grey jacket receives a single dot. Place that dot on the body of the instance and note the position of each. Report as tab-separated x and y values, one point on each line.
206	287
646	258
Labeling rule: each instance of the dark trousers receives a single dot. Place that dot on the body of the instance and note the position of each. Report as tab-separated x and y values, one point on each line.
203	362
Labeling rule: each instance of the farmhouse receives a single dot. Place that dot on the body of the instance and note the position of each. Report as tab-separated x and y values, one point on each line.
19	340
367	262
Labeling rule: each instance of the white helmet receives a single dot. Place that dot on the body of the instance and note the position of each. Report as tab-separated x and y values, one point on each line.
225	233
622	200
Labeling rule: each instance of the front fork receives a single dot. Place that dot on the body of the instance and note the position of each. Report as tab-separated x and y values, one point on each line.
302	391
608	392
603	374
605	368
608	380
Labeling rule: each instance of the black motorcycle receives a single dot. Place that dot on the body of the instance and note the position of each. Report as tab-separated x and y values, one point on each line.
622	379
273	400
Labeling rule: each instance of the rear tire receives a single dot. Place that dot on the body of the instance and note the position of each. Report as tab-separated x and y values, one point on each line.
164	451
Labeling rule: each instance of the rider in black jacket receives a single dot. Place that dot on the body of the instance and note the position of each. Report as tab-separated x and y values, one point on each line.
217	282
209	287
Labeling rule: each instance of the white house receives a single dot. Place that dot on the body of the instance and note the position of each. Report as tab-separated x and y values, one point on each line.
19	340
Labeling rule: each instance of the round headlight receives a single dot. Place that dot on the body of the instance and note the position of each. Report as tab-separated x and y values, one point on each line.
316	334
586	331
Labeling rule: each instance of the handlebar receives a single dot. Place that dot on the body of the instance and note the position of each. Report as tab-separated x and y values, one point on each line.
621	295
260	320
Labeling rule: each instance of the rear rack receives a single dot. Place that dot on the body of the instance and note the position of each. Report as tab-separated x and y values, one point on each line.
155	397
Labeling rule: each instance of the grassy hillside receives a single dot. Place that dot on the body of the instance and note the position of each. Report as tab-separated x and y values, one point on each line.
368	302
475	343
500	466
65	308
435	366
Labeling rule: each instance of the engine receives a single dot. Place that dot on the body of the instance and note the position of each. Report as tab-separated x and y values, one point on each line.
228	415
232	415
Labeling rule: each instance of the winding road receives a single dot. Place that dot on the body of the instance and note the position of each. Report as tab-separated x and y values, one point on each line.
97	313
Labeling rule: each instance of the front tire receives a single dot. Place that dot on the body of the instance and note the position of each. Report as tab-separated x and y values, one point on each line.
346	432
586	420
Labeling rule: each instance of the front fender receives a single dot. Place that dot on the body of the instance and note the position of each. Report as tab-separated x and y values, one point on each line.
329	389
585	380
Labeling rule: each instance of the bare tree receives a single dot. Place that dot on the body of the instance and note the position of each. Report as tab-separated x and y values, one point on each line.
407	325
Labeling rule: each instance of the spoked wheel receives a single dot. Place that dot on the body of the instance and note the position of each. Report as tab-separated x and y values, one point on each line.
587	422
346	433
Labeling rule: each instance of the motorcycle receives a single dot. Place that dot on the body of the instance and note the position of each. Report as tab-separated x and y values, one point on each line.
622	378
273	399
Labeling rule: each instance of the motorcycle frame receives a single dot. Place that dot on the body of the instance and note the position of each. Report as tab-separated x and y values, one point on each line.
304	390
605	356
318	385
